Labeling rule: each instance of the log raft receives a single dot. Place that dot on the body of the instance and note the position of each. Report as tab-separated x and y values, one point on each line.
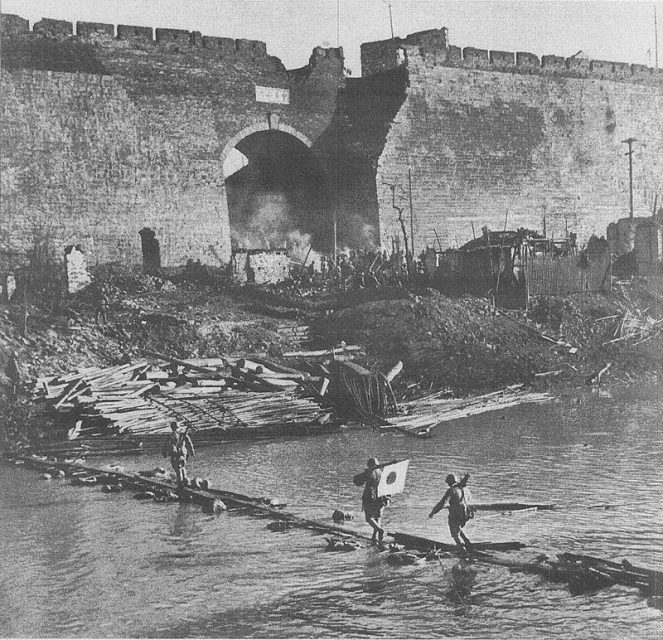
212	500
424	544
581	572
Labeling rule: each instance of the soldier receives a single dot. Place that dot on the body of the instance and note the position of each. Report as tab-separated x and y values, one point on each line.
459	509
101	310
371	504
179	447
13	372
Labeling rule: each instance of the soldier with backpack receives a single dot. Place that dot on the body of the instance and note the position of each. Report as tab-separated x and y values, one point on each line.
372	504
460	510
179	447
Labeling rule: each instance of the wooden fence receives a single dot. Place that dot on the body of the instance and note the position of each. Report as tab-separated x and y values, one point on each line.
548	276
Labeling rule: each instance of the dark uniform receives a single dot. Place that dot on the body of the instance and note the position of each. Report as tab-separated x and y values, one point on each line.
13	372
179	447
459	509
371	504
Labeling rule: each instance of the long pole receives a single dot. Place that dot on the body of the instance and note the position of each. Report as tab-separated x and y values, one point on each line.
335	235
391	22
629	153
655	38
409	180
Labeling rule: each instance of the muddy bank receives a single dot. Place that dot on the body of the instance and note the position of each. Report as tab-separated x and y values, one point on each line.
462	345
467	346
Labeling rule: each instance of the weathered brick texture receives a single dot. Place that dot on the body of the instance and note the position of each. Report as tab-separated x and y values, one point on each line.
484	146
103	137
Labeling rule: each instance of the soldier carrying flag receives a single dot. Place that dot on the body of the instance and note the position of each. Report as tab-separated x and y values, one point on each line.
380	482
372	504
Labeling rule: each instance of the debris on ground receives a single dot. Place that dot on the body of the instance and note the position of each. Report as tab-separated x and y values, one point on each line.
298	347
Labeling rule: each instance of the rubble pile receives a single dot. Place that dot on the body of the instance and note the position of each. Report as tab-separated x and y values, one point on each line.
467	346
258	266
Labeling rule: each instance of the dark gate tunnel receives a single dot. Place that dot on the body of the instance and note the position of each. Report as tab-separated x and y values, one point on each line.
277	192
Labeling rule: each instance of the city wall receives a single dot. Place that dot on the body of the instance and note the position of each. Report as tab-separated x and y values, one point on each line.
119	128
116	129
495	138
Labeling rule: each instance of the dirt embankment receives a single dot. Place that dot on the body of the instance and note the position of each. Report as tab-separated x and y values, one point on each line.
460	344
468	347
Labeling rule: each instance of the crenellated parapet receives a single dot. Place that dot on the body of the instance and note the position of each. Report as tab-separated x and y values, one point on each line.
433	45
13	26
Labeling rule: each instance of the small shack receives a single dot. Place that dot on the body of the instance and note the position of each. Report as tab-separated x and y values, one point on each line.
514	265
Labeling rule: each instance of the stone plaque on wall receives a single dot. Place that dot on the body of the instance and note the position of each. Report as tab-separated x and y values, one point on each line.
272	94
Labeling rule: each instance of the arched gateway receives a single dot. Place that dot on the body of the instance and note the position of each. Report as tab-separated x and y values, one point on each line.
276	190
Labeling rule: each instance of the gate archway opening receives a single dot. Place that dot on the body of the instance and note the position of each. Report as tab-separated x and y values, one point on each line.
278	195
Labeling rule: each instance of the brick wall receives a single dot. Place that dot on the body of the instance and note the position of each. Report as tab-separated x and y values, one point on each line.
104	136
481	143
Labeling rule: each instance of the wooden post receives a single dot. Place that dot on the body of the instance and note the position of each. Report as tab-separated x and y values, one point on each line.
499	259
335	224
526	265
629	153
409	180
438	239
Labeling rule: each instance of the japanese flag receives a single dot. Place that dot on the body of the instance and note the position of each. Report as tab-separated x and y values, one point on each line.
393	478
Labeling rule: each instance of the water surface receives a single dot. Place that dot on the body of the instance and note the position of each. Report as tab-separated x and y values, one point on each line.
79	563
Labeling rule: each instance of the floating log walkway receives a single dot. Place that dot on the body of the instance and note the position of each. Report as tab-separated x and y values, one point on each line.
424	544
582	573
212	500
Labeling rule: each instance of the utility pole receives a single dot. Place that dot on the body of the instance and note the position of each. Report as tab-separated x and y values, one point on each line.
409	180
629	153
391	22
655	38
335	221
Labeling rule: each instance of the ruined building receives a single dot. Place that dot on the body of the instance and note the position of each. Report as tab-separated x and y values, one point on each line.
165	146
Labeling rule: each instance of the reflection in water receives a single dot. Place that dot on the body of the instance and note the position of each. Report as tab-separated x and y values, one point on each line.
462	581
79	563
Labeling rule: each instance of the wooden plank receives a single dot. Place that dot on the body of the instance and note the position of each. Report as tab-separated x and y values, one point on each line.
511	506
182	363
417	542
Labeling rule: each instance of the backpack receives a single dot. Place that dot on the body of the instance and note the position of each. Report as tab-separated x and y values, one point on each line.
467	510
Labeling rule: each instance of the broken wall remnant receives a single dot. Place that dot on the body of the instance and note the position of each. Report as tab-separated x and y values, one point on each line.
7	287
648	247
151	251
76	271
259	266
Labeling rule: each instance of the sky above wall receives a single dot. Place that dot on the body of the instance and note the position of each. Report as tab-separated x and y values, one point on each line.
621	31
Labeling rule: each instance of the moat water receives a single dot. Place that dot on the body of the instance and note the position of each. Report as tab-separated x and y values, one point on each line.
79	563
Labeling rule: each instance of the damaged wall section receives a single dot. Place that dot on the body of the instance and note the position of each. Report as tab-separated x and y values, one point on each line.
260	267
482	133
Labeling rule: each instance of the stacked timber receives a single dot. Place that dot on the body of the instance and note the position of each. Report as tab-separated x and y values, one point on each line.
419	416
142	399
340	353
